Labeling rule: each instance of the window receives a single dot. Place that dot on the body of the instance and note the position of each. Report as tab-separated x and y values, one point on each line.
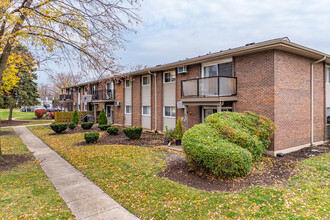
128	83
169	77
128	109
85	90
210	71
85	107
169	111
145	80
218	68
146	110
328	74
78	107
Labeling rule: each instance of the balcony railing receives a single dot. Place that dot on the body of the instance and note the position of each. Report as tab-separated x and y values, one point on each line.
98	95
65	97
209	87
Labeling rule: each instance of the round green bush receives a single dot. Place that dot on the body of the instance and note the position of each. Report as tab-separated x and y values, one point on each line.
59	127
72	125
205	148
91	137
87	125
248	130
113	130
104	127
133	133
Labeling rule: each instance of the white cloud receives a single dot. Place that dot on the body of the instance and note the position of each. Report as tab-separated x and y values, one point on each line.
174	30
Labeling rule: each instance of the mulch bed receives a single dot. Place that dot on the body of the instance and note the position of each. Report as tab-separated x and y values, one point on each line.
13	160
268	171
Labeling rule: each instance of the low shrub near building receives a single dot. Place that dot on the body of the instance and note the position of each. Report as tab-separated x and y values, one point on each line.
113	130
104	127
39	113
51	115
59	127
87	125
72	125
75	118
91	137
102	118
228	143
133	133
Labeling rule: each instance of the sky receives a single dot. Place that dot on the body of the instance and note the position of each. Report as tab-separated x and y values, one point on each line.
173	30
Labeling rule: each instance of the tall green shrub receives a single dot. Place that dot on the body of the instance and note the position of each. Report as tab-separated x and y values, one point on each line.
178	129
228	142
75	118
102	118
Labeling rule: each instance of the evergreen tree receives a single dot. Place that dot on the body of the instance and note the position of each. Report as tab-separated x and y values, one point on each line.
75	118
102	118
178	129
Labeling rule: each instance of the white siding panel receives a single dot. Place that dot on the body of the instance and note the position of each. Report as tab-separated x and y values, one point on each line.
169	94
328	96
128	96
128	119
146	121
170	122
146	95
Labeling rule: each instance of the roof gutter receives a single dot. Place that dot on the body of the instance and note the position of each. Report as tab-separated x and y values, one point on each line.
312	97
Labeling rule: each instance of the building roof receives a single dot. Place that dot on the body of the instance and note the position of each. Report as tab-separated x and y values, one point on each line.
283	44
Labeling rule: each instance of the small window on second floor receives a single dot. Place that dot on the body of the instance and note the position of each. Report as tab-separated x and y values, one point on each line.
128	83
145	80
328	74
169	77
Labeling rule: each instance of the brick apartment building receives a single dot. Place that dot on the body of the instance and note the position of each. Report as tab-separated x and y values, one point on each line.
271	78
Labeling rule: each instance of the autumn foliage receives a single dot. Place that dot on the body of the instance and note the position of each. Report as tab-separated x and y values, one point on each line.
40	113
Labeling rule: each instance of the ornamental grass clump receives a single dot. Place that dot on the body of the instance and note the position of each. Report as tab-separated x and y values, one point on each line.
87	125
227	143
91	137
113	130
133	133
59	127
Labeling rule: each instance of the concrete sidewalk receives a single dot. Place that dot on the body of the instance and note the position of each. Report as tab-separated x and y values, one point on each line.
83	197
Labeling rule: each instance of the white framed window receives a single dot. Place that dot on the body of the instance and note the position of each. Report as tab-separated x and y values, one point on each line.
217	68
85	107
145	80
128	83
78	107
169	77
85	90
169	111
327	74
146	110
128	109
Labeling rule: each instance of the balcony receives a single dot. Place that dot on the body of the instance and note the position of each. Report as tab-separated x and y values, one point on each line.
65	97
209	89
99	95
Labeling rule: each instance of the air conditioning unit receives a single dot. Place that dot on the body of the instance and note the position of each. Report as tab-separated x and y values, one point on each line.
117	103
182	69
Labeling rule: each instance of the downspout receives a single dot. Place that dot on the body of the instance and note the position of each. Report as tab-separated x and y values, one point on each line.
154	74
312	98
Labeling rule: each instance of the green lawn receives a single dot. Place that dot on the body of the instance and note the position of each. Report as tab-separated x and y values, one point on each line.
16	114
25	191
128	174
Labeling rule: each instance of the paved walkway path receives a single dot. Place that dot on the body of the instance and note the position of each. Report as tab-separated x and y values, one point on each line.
83	197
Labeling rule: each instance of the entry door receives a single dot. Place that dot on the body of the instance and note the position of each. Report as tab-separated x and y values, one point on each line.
110	114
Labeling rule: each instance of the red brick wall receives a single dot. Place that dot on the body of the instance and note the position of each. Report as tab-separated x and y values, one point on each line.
194	112
159	80
118	111
292	101
136	101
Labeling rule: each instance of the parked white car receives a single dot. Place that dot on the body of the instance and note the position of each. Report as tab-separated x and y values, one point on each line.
39	107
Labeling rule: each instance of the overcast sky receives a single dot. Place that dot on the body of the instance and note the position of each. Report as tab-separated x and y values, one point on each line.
176	29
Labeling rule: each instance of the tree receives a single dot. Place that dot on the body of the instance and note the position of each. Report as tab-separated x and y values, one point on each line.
103	118
87	31
75	118
25	92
